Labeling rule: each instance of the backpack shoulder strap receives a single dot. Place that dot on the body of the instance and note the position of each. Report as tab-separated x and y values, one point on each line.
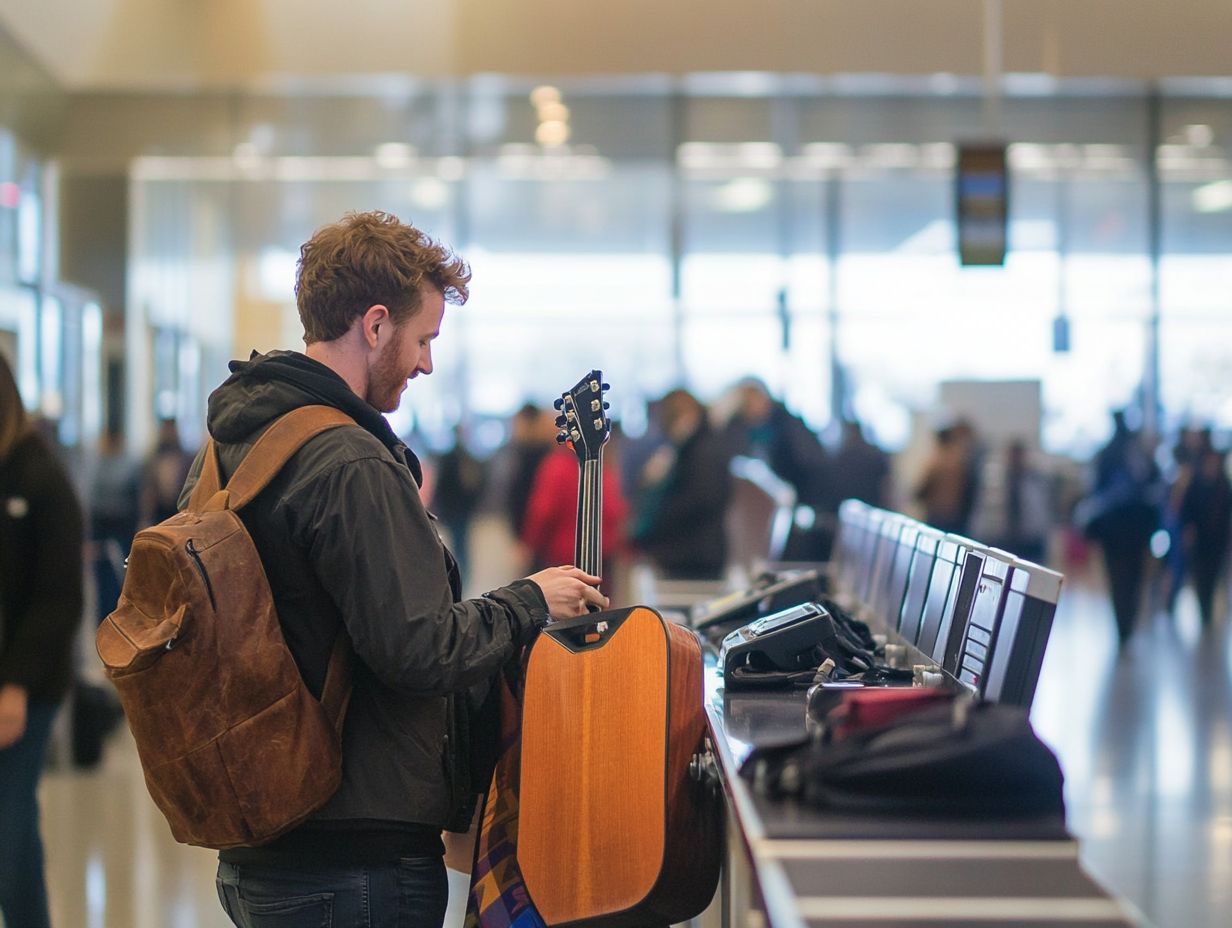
209	480
272	450
336	694
260	465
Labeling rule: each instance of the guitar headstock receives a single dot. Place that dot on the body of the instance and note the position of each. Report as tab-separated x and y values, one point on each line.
583	419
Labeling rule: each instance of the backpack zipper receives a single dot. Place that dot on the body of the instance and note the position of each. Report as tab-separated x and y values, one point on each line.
196	556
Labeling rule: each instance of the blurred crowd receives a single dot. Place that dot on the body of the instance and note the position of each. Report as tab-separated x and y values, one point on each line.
676	498
705	493
709	492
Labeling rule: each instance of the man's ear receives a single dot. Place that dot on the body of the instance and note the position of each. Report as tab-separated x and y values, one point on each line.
374	323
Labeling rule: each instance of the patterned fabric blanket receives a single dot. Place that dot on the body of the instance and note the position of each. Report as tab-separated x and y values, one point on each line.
498	896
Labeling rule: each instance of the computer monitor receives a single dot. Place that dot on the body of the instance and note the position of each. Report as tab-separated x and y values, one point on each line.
872	603
890	608
942	586
1022	638
852	529
973	634
865	553
958	602
919	576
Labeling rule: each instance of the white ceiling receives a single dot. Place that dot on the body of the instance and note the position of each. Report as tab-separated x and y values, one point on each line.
171	44
200	44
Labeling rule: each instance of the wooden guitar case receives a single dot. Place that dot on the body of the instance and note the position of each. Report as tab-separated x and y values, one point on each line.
615	828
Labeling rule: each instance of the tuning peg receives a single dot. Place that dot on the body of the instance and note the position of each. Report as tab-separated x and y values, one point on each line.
560	422
561	438
607	405
559	403
575	436
607	386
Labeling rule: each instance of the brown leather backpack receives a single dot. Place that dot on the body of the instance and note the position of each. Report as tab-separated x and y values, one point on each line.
235	748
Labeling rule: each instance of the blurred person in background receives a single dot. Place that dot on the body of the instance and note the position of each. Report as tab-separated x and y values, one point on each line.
113	519
550	527
1206	523
861	470
1016	508
762	427
1121	513
532	436
1191	444
460	478
683	492
163	475
41	536
950	485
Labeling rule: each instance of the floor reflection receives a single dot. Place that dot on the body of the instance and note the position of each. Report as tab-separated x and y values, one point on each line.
1145	739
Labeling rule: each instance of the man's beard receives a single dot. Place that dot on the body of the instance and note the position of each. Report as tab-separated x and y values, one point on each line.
385	383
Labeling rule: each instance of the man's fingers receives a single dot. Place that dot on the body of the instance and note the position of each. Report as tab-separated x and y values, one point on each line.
578	574
591	595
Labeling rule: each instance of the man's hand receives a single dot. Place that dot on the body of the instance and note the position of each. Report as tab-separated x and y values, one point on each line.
12	714
568	591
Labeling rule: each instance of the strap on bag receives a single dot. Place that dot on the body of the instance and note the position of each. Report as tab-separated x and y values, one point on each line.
266	458
261	464
336	693
209	480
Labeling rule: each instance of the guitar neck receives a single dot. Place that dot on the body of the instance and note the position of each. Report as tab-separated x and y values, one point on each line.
588	542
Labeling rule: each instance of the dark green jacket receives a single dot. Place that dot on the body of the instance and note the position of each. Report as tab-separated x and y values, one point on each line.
346	541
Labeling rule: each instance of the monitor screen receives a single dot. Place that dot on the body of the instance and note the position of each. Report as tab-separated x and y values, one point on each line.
982	187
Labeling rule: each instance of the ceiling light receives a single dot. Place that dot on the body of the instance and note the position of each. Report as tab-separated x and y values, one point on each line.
553	111
544	94
743	195
891	155
451	167
1199	135
1214	197
247	157
394	155
430	193
552	133
697	155
826	155
1031	156
943	82
766	155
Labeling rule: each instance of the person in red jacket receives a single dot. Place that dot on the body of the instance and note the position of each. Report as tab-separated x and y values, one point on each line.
551	514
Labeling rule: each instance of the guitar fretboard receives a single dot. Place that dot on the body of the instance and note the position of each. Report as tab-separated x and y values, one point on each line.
588	542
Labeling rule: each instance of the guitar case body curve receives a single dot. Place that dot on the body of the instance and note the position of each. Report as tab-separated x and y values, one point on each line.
615	830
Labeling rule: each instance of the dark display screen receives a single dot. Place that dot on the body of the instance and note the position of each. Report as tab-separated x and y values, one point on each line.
982	187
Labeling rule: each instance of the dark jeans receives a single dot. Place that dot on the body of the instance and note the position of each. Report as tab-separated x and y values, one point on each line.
23	890
1125	562
1207	569
409	893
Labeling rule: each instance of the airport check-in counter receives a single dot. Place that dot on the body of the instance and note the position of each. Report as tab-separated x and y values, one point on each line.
790	865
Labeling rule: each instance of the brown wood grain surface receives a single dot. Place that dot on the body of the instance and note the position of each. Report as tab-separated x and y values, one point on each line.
594	756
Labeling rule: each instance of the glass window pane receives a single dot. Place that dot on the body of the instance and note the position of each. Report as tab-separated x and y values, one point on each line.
571	273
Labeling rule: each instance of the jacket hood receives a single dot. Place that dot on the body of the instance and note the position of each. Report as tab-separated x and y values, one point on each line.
266	386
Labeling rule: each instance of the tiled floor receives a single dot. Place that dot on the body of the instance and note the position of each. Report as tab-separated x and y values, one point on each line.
1145	740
